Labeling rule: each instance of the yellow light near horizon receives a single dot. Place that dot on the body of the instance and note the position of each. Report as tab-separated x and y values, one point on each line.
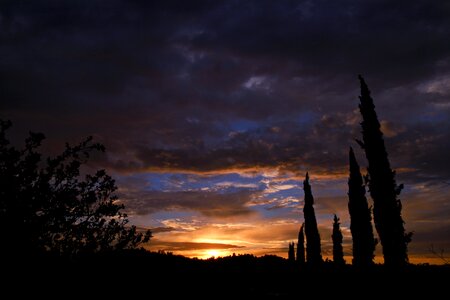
213	252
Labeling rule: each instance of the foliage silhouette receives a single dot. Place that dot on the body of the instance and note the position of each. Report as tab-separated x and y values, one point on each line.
291	252
47	207
360	217
338	252
440	255
313	248
301	246
382	185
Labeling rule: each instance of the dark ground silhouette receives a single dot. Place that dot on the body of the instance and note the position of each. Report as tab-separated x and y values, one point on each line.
162	276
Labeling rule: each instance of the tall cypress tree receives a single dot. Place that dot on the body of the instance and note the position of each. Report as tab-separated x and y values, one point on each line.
382	185
338	252
301	246
313	250
291	253
360	216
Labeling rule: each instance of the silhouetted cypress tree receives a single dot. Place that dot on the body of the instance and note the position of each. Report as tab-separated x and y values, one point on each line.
301	246
291	253
360	216
382	186
313	250
338	252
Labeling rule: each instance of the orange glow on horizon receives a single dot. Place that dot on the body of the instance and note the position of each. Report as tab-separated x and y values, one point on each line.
216	253
206	254
213	253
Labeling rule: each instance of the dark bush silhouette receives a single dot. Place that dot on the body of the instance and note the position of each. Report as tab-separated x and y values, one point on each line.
313	249
301	246
291	253
45	205
360	217
382	185
338	252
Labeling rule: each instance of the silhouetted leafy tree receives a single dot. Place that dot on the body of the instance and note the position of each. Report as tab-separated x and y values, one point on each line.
313	249
382	185
360	216
301	246
338	252
291	253
46	206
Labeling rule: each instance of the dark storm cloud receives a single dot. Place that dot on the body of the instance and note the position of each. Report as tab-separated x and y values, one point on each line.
174	84
208	203
285	146
424	148
333	38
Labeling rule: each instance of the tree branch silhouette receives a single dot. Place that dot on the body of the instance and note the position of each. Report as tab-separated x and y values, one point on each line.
47	206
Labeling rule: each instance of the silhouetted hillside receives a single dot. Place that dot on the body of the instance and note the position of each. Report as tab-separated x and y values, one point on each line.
137	271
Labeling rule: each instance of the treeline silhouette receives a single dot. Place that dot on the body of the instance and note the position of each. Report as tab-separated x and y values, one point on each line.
163	275
386	209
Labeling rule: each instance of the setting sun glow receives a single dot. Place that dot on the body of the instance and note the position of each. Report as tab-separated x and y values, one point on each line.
213	253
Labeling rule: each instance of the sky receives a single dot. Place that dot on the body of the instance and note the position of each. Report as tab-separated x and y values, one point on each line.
213	111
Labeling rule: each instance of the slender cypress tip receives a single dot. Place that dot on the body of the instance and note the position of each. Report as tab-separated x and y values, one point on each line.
364	88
